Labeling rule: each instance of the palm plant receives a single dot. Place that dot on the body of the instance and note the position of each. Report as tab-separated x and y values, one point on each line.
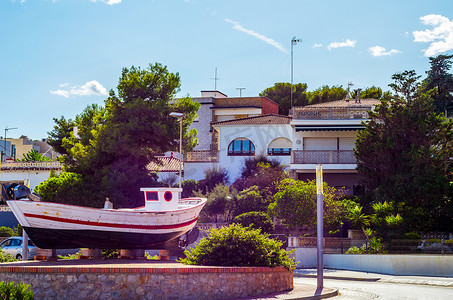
359	220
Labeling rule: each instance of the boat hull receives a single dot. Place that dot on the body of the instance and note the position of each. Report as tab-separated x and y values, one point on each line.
60	226
69	239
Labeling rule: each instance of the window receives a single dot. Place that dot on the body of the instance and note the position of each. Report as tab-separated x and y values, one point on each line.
241	147
280	146
279	151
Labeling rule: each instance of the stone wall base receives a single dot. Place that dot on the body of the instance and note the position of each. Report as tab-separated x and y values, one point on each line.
153	286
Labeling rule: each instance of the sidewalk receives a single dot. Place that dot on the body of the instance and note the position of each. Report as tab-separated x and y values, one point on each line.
300	291
364	276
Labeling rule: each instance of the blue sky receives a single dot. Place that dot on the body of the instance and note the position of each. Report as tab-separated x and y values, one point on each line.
58	56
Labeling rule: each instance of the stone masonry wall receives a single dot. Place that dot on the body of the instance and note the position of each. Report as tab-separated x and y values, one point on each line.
153	286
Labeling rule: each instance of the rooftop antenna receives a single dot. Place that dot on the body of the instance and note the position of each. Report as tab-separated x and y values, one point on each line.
348	96
240	91
294	41
215	79
6	130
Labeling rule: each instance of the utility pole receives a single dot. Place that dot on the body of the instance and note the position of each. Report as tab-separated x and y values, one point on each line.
294	41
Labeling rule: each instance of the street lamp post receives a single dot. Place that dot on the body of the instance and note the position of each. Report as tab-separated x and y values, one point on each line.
320	227
179	116
294	41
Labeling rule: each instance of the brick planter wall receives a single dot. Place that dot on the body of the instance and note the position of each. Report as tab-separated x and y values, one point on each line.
145	282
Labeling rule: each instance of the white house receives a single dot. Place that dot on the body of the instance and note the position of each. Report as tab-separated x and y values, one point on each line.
325	134
241	138
33	172
218	107
315	134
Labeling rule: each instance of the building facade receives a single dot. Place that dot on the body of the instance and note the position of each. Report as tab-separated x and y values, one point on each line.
325	134
315	134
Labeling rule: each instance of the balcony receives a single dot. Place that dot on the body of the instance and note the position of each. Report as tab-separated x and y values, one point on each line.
30	165
323	157
331	113
209	156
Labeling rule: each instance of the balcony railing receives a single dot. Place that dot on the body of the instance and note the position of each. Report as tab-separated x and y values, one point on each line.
202	156
32	165
323	157
331	113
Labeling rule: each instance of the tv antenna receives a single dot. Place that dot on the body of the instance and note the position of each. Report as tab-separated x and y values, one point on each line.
240	91
6	130
215	79
348	96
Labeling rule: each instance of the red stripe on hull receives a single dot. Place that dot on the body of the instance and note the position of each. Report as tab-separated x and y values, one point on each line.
112	225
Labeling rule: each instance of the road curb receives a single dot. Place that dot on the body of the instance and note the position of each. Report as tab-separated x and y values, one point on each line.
418	282
373	279
331	294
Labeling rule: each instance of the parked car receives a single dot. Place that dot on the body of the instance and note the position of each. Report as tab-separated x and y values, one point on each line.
13	246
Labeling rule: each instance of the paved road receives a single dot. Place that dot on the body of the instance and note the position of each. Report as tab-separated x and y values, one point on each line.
382	289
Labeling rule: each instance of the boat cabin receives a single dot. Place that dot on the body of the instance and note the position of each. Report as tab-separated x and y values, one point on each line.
161	199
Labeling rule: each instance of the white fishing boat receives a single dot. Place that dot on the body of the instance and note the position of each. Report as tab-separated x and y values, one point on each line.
164	222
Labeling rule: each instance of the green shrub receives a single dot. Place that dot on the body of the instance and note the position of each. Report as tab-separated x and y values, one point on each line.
189	187
6	258
412	236
70	256
354	250
110	253
14	291
7	232
55	188
374	246
150	257
255	219
238	246
251	199
213	177
432	241
219	205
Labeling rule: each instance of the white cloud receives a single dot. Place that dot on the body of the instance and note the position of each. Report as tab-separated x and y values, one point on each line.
109	2
91	88
440	37
348	43
381	51
269	41
317	45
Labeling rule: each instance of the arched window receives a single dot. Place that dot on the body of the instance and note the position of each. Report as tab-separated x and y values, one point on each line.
241	147
280	146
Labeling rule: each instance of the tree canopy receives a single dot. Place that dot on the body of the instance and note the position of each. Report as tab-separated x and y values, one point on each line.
404	156
281	93
295	204
439	79
116	142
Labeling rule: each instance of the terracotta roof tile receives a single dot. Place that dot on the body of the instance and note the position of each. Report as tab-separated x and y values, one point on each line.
164	164
258	120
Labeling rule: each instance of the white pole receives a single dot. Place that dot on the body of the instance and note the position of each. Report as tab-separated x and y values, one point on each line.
179	116
24	245
294	41
320	227
180	150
